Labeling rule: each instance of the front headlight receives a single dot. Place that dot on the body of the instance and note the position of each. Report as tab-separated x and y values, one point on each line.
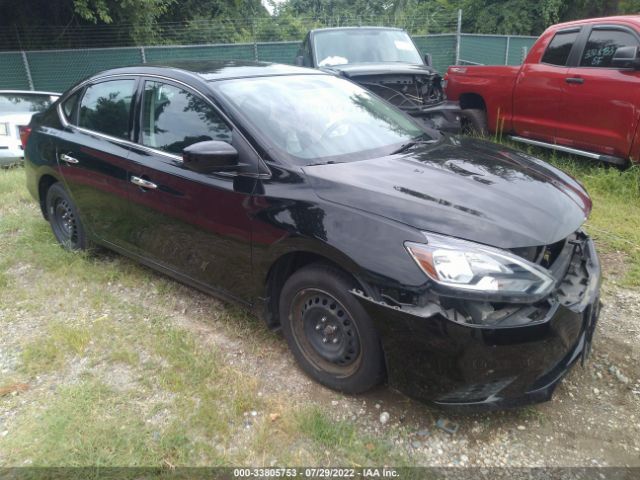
4	129
478	270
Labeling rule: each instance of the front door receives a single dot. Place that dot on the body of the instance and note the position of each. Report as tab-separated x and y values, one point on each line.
601	102
196	225
92	156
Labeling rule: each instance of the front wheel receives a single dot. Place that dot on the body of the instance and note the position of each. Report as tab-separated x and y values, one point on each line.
331	336
64	220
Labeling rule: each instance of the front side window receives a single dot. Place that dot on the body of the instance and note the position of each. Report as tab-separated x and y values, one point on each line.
305	52
558	50
602	46
106	108
319	118
173	119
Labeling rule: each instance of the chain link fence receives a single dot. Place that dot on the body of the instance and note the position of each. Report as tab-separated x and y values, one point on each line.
29	65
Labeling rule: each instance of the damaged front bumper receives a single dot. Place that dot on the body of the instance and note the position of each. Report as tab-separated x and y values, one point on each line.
452	363
444	116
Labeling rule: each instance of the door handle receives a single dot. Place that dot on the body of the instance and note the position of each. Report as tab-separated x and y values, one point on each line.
576	80
68	159
141	182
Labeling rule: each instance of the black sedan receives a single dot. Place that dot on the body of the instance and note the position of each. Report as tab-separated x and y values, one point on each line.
454	268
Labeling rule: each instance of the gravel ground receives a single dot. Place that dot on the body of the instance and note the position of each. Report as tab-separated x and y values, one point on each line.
593	420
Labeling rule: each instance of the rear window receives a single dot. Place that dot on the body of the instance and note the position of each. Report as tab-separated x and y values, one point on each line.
24	102
106	108
558	50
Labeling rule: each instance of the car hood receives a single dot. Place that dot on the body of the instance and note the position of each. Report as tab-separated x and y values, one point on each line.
385	68
464	188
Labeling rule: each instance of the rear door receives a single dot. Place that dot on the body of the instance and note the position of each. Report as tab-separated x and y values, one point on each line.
538	93
195	225
92	150
600	110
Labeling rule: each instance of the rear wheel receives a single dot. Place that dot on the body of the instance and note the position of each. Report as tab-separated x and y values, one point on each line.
64	220
330	334
474	122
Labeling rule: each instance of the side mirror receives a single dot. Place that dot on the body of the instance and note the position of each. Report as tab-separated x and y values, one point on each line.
428	60
300	61
210	156
626	57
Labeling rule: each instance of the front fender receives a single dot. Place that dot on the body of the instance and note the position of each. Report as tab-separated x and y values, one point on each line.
369	247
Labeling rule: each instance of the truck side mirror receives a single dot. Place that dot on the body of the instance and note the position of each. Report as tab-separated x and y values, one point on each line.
428	60
626	57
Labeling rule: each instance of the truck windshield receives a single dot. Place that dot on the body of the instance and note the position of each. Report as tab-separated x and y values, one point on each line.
363	45
312	119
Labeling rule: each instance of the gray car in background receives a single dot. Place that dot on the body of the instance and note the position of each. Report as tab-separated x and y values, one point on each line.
16	109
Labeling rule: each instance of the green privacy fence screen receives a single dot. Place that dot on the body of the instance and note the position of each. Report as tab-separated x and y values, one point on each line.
494	49
57	70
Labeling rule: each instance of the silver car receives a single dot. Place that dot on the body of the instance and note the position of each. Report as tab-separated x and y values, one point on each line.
16	109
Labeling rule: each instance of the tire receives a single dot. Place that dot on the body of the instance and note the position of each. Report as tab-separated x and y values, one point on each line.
331	336
64	219
474	122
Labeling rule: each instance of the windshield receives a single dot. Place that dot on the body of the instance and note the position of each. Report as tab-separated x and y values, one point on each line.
339	47
319	118
24	102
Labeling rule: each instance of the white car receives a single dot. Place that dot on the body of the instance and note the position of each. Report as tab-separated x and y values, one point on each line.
16	109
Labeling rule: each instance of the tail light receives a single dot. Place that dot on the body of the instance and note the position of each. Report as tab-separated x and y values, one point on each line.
24	135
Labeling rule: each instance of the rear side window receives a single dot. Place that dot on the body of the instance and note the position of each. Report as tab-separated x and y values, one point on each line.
69	107
106	108
558	50
602	45
173	119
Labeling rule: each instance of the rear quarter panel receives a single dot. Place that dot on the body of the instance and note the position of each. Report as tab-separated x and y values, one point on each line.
40	151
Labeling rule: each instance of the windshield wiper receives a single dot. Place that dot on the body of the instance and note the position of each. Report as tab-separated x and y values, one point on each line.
330	162
409	145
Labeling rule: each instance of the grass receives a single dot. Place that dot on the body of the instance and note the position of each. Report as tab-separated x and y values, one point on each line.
355	448
115	378
50	351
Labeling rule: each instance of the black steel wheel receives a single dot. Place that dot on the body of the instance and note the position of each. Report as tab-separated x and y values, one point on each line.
328	331
325	333
64	220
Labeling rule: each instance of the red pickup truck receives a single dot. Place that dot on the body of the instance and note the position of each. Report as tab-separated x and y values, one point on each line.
578	91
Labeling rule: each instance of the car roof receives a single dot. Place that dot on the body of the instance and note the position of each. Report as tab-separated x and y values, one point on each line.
29	92
364	27
633	19
211	71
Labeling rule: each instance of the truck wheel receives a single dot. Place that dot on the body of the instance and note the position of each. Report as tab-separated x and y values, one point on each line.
474	122
331	336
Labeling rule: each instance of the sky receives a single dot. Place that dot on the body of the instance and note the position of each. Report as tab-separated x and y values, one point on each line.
267	5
